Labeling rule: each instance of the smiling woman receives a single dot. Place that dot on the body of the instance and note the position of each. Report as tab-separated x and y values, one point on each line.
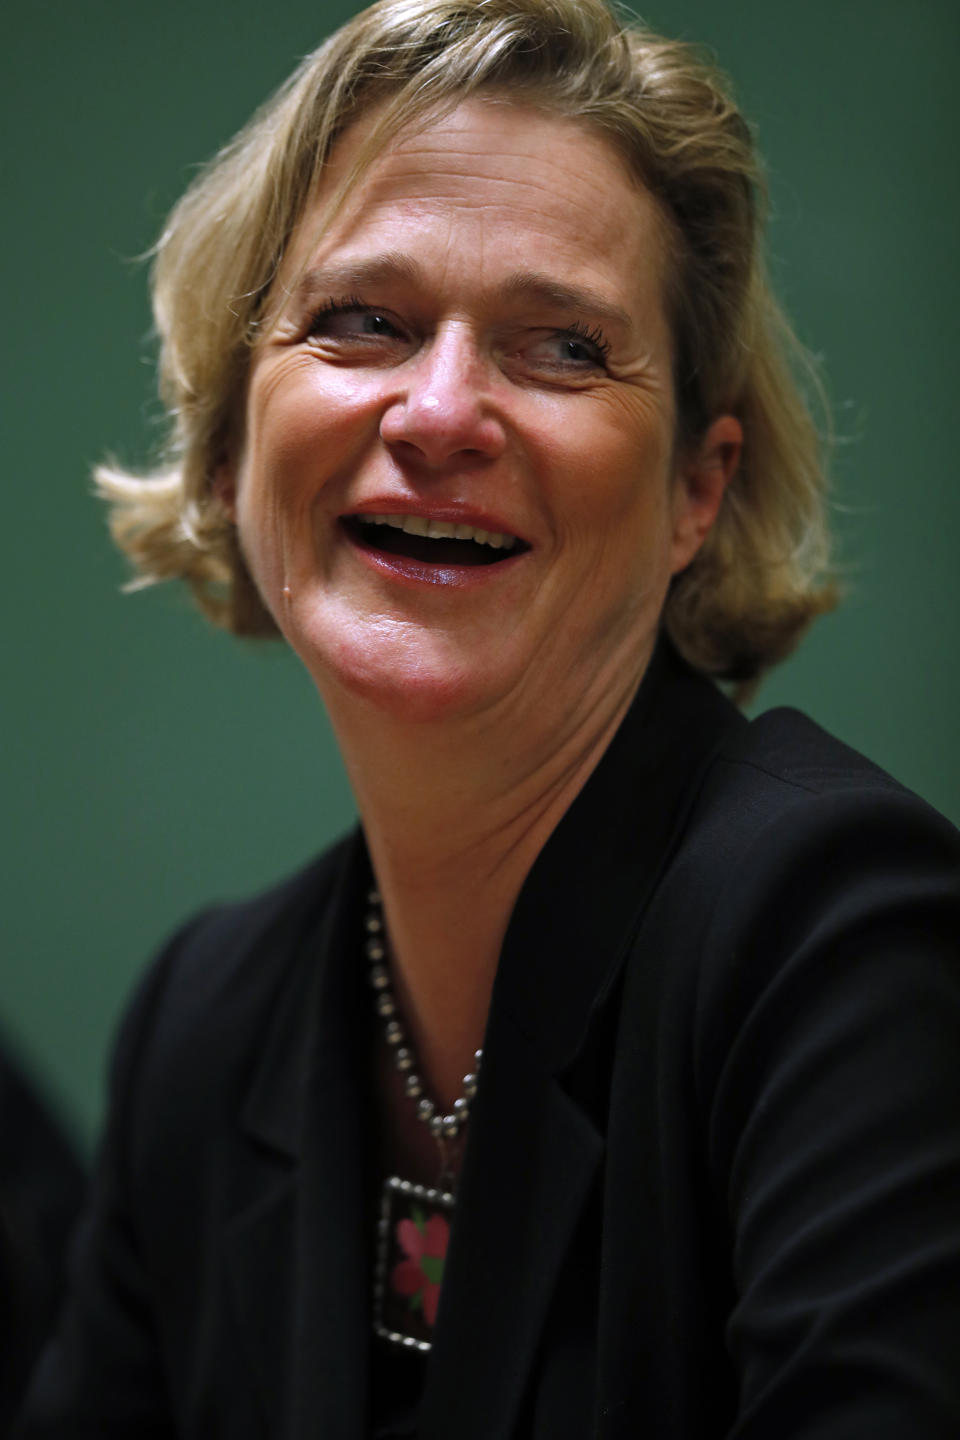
660	114
604	1081
442	394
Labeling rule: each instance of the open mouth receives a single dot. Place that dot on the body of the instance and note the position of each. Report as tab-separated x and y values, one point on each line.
432	542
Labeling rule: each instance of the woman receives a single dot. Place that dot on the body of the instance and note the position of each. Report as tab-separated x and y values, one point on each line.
479	400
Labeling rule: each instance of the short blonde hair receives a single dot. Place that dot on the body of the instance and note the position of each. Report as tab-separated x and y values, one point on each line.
760	577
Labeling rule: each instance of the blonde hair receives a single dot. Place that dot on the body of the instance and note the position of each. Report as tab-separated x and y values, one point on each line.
759	578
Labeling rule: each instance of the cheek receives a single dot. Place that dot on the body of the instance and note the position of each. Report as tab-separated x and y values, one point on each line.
306	432
290	430
304	419
611	477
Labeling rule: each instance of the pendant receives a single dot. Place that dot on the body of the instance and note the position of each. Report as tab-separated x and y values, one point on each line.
412	1239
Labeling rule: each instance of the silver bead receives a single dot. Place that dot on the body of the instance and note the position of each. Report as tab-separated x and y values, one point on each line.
478	1058
373	896
442	1127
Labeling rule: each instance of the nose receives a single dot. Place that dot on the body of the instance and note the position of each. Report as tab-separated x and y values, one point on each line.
443	410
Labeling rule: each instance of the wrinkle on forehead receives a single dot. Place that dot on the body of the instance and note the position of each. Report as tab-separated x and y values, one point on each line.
453	152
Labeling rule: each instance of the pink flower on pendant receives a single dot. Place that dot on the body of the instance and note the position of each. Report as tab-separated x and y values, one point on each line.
424	1243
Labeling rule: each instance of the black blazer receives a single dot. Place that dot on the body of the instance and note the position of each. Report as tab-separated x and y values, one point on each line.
712	1180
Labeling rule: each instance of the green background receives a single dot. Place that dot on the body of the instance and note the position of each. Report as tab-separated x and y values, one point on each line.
152	764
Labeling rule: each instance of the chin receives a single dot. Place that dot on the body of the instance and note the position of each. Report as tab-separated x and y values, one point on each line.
417	679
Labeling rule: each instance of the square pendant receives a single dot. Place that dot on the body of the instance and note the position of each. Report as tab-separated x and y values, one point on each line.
412	1238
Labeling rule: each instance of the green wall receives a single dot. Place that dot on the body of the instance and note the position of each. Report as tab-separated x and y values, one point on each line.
153	765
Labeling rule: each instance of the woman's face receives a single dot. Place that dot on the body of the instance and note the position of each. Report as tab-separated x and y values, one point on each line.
457	490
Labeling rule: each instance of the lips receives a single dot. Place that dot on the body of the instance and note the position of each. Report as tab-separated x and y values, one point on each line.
429	541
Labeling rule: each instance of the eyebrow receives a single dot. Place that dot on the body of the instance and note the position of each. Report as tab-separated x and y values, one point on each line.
554	294
524	285
356	275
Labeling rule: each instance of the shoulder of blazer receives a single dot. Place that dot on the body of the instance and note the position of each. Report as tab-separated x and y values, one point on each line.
212	956
789	746
196	1022
782	769
795	842
802	851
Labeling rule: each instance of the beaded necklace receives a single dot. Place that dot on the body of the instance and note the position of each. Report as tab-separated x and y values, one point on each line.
413	1230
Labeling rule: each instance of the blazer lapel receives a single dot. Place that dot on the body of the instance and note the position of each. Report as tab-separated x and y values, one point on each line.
530	1161
536	1145
298	1251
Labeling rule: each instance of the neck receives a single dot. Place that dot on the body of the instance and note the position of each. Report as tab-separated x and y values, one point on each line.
455	813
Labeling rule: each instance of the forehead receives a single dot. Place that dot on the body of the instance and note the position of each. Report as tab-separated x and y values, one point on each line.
492	186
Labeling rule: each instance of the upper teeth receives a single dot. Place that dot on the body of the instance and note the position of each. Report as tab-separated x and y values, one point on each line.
441	530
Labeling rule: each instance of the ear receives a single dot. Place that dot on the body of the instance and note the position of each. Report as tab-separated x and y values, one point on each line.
223	484
700	485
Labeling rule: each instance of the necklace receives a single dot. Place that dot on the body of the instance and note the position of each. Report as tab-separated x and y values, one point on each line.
413	1231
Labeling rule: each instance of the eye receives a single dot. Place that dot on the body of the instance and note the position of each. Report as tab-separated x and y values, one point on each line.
574	351
353	324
